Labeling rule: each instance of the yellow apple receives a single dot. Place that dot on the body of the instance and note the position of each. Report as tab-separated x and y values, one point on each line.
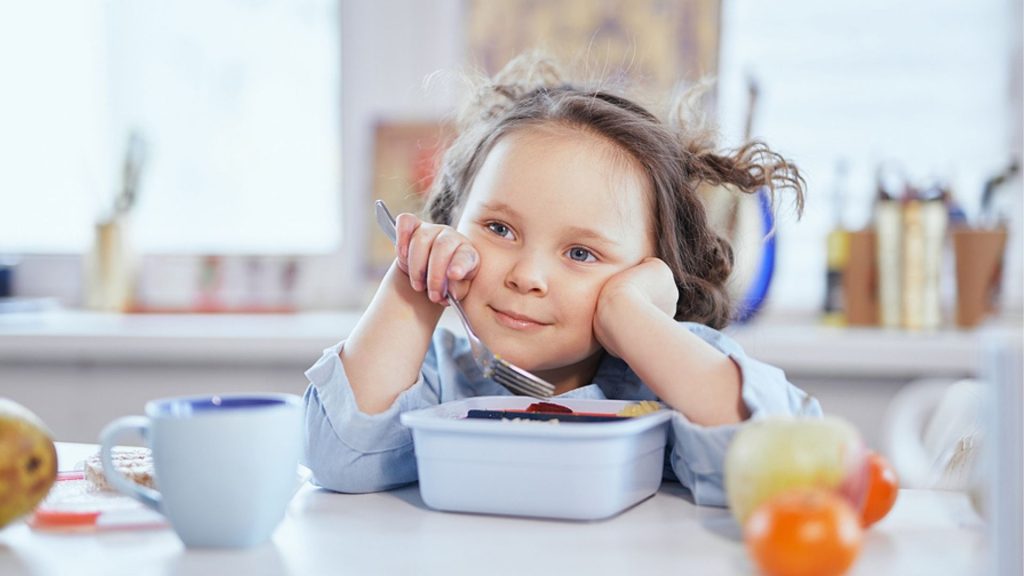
771	455
28	461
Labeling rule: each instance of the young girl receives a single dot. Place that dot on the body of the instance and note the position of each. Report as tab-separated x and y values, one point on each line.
568	223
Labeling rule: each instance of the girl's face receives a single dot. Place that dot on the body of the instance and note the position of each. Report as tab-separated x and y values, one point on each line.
554	213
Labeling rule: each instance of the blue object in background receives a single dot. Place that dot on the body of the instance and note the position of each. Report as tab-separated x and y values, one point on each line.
756	293
6	279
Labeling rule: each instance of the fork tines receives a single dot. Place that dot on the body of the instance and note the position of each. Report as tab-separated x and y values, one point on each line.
519	380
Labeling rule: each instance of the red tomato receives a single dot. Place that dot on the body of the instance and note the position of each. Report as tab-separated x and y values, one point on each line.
883	487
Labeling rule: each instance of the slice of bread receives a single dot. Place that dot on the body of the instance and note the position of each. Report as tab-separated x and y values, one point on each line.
135	463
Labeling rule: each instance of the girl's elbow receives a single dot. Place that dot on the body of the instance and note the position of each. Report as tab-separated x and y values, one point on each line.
343	483
341	476
353	472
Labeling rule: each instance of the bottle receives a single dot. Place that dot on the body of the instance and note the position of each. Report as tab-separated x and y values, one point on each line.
924	229
888	216
837	253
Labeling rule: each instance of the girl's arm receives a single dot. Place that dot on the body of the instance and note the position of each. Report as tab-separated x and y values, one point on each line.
634	322
385	351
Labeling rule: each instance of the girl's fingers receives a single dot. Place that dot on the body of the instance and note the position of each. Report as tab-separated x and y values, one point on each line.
432	255
462	269
405	227
464	263
419	250
441	256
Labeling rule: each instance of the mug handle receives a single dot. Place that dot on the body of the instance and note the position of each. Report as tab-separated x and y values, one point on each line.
111	432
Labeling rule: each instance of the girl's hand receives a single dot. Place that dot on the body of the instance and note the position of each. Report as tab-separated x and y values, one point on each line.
649	283
436	258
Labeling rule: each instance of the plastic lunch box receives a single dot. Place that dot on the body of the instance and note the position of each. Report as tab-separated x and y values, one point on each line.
577	471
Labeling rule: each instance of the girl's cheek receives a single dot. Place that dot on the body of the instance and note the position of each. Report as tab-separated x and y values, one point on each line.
580	295
492	265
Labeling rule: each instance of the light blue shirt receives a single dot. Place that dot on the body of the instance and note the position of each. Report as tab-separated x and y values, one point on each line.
350	451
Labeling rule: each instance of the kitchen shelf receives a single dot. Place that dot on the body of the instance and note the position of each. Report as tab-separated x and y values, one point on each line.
798	345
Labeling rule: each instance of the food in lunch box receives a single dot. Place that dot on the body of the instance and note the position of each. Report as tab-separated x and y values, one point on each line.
640	408
635	409
28	461
134	463
551	412
523	415
549	408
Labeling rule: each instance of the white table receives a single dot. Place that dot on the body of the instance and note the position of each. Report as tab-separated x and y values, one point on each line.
928	532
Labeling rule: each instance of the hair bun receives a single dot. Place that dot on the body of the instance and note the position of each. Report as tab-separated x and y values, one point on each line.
523	74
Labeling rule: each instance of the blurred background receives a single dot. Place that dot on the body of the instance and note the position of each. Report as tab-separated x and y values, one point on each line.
264	128
187	186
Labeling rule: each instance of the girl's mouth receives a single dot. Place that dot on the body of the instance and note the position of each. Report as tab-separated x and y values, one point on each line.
516	321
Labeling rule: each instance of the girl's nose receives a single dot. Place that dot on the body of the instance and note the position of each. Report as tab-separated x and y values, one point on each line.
527	275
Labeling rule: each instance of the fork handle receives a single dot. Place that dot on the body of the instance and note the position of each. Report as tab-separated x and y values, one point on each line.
387	223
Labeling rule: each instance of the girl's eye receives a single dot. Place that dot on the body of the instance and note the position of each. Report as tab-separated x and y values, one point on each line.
499	229
579	254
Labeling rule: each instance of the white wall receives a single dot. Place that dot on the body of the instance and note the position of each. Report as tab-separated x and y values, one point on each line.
389	49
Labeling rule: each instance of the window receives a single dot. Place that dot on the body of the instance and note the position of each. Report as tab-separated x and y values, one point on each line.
237	101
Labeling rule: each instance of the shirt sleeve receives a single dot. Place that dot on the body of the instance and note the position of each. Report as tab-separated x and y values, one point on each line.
697	455
349	450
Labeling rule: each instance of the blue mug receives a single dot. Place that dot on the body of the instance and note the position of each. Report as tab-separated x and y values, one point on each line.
225	466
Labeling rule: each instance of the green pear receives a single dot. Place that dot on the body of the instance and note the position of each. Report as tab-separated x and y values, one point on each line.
774	454
28	461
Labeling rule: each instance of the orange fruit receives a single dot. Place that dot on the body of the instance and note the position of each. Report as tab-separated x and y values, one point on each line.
804	531
883	487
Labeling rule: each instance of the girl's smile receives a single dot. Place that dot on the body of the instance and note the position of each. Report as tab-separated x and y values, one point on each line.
517	321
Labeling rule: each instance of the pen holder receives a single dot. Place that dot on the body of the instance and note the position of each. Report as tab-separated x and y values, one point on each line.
110	274
860	280
979	264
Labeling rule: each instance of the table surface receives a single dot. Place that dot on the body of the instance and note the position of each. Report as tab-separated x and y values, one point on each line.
928	532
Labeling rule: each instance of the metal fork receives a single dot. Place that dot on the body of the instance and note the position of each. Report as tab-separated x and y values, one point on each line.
512	377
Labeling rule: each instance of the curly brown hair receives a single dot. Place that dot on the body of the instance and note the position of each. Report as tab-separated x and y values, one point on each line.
677	157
